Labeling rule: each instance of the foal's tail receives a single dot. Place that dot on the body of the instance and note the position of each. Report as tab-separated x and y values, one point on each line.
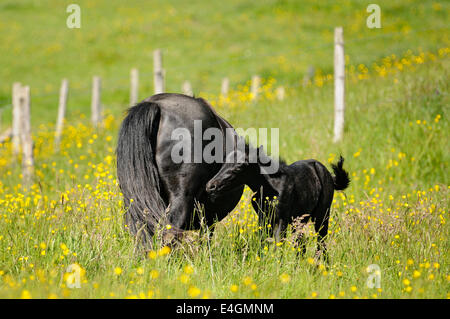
137	173
341	179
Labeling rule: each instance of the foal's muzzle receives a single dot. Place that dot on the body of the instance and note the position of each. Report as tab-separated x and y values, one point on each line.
211	188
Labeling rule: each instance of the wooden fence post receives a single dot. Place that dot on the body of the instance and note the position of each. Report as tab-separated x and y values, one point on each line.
158	72
25	134
96	108
225	87
62	105
134	86
16	125
187	88
339	84
256	82
4	135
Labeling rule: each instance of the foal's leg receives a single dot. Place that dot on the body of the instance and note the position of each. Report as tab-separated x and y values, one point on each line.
280	230
301	245
322	211
300	241
321	227
262	218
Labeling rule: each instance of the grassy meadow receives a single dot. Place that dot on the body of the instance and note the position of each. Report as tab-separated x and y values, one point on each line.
69	220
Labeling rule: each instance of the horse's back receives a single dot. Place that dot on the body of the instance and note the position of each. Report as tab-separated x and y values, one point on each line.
187	118
182	106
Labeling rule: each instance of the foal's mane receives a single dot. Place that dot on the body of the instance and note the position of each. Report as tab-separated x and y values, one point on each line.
263	157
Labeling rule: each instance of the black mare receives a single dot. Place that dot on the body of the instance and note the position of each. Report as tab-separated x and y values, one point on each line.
157	191
303	189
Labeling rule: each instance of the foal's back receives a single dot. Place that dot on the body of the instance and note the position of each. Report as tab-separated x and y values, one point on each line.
313	184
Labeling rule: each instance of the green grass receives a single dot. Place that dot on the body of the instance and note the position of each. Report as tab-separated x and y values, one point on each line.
394	214
202	42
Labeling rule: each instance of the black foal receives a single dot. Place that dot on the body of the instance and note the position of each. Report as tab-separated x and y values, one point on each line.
303	189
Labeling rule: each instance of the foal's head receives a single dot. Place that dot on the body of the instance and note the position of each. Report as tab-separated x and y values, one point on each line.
231	174
238	168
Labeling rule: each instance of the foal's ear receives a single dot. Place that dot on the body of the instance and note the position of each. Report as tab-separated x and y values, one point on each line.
260	151
263	158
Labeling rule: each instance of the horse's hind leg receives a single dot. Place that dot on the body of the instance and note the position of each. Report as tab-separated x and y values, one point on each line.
177	218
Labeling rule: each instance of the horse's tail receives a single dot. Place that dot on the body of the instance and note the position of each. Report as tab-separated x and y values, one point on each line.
137	172
341	179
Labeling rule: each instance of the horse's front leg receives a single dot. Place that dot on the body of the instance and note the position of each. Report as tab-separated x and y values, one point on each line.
282	215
